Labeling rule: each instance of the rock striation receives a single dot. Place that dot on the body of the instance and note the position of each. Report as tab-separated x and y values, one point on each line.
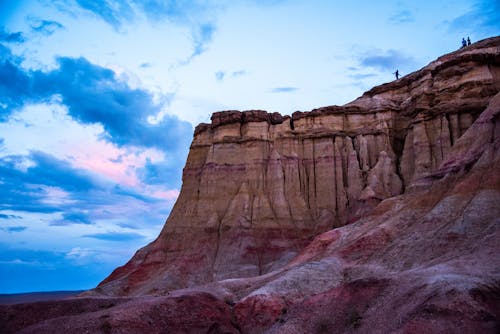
380	216
258	186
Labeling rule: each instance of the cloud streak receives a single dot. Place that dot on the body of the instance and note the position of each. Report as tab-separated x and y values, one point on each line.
484	17
115	236
386	60
46	27
283	89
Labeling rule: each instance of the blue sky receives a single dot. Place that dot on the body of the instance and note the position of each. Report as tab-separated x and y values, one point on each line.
99	99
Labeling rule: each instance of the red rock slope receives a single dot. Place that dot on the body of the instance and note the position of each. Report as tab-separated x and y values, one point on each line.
415	168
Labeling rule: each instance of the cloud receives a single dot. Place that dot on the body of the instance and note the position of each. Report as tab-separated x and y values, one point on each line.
115	236
220	75
46	27
11	37
161	173
283	89
54	271
114	12
361	76
4	216
13	229
201	37
483	18
76	217
94	95
403	16
386	60
238	73
192	14
29	188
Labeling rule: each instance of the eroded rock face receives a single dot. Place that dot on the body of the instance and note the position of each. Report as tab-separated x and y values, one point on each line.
257	187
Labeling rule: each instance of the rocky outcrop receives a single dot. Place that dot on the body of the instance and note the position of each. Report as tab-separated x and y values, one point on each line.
409	177
257	187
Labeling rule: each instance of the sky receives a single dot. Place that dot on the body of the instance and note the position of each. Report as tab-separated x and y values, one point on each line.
99	100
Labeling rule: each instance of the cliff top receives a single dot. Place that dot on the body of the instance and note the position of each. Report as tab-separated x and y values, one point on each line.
484	51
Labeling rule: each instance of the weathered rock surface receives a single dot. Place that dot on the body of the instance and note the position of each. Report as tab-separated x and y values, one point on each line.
257	187
382	216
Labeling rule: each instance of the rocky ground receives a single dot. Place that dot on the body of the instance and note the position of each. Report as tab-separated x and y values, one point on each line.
381	216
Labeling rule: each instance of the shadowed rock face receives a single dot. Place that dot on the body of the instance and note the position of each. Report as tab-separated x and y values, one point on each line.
257	187
381	216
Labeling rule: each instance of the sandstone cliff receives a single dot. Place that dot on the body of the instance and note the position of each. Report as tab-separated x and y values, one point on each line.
381	216
257	187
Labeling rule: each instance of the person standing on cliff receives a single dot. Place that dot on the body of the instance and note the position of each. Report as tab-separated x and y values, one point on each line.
468	40
464	42
396	74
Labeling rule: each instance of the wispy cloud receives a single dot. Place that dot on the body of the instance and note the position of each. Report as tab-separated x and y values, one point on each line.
385	60
283	89
221	75
115	236
46	27
13	229
114	12
4	216
361	76
484	17
403	16
201	37
192	14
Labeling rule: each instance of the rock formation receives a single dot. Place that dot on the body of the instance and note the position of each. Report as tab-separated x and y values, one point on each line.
257	187
381	216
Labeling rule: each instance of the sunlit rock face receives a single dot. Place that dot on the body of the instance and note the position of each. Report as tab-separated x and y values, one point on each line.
258	186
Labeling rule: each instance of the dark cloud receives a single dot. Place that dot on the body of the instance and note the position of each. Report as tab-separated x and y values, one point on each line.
13	229
386	61
93	95
4	216
25	188
46	27
403	16
161	173
76	217
11	37
115	236
41	183
483	19
283	89
14	83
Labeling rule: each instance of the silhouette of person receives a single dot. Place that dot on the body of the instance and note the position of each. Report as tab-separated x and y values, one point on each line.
468	40
396	74
464	42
